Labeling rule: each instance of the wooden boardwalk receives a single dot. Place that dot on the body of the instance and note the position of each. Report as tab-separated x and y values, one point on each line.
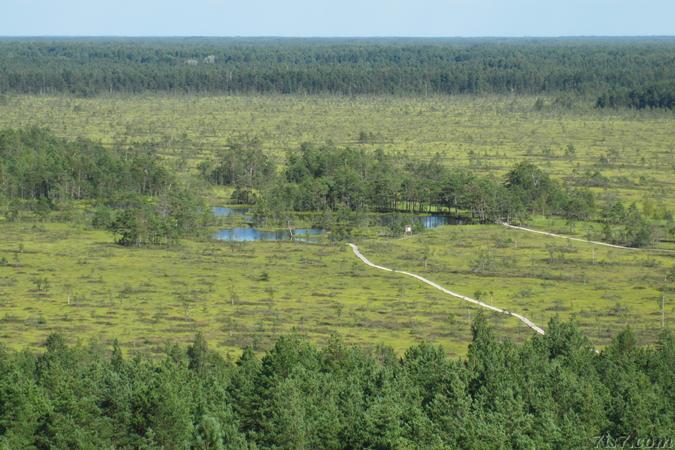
523	319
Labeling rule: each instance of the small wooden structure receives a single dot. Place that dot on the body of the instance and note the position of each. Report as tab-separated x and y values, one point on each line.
408	230
291	231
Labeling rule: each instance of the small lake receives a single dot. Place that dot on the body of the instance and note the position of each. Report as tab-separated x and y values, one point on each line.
427	222
247	234
251	233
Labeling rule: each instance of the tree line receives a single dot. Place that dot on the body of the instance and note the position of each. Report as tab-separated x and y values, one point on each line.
552	391
329	178
134	196
653	96
87	66
130	191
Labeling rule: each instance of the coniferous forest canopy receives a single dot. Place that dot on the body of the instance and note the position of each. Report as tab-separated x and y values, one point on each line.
638	73
127	321
551	392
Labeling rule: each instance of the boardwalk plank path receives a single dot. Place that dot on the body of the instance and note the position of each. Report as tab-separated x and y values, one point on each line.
523	319
605	244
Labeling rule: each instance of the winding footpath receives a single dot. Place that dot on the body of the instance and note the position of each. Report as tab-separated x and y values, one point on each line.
523	319
546	233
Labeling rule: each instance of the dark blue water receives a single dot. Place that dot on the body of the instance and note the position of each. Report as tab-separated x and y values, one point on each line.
247	234
432	221
427	222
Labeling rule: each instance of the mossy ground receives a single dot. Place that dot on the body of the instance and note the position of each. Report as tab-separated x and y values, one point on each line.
605	289
241	294
76	281
635	150
238	294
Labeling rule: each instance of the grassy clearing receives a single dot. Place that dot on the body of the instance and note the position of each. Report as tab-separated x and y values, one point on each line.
144	297
634	150
540	277
74	280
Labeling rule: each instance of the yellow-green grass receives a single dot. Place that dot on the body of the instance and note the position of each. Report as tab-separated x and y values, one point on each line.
74	280
146	297
541	277
592	231
639	145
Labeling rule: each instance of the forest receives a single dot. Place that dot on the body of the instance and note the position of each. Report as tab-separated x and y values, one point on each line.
603	68
133	316
659	95
549	392
328	178
138	200
129	191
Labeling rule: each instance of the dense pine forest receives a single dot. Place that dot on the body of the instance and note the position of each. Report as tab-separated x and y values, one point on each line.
550	392
618	72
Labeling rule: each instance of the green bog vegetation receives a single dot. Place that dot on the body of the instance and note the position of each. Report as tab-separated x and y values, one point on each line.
531	274
114	152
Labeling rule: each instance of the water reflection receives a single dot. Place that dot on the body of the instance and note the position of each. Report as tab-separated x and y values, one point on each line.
251	233
247	234
427	222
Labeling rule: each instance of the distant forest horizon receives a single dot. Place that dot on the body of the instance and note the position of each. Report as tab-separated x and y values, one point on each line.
636	72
